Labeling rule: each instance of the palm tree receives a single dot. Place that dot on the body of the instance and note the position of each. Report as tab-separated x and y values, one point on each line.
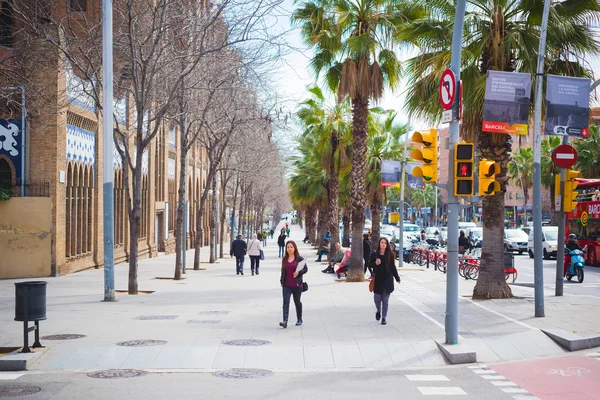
588	150
328	126
383	144
353	41
520	171
499	35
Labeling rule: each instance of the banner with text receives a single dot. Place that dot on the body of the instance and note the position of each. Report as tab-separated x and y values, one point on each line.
506	105
567	106
390	173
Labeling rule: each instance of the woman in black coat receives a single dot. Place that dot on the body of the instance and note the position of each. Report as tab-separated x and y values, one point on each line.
382	262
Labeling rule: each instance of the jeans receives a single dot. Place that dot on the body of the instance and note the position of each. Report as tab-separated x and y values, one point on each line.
239	264
265	242
321	252
254	263
281	251
385	298
287	293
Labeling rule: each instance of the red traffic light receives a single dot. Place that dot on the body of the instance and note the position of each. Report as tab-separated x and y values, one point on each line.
464	170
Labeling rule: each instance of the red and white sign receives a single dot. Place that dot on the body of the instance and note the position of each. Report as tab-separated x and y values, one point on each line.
447	89
564	156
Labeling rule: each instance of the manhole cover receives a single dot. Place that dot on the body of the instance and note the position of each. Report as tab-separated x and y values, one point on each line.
117	374
213	312
205	321
63	336
156	317
142	343
18	390
246	342
243	373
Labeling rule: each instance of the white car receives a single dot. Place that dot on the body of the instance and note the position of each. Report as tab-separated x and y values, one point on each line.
549	242
515	240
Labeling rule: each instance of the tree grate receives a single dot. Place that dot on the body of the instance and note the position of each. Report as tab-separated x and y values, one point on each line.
142	343
63	336
18	390
246	342
243	373
117	374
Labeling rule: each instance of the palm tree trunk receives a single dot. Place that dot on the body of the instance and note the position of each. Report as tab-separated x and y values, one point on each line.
360	112
346	223
491	283
333	213
310	224
376	220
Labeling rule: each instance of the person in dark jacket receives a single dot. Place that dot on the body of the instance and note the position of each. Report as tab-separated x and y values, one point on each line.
293	268
570	246
281	243
463	243
367	252
384	271
239	249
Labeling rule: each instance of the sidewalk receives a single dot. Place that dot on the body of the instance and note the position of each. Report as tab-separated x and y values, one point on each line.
196	315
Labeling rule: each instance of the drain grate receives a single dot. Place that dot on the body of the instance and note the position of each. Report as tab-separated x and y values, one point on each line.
117	374
142	343
243	373
156	317
204	321
18	390
63	336
213	313
246	342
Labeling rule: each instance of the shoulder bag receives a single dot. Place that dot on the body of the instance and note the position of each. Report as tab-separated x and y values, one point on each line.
372	284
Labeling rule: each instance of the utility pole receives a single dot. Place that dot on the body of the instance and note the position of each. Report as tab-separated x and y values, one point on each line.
538	265
402	184
451	322
107	137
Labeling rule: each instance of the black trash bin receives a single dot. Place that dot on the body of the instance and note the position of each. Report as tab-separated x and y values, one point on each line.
509	261
30	305
30	299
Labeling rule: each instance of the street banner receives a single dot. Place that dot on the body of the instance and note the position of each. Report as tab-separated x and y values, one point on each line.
413	181
390	173
567	106
506	104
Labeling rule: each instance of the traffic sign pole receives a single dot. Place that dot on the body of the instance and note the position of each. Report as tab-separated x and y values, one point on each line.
560	248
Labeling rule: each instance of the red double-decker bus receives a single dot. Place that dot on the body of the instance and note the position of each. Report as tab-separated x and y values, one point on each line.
584	220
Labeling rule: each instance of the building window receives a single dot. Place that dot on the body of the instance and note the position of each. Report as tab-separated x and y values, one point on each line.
172	205
6	24
78	5
79	210
510	196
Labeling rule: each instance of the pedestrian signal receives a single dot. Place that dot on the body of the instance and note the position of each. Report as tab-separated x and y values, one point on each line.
427	155
488	169
463	169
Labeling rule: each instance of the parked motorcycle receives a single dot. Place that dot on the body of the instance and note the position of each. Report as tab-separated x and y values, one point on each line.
576	266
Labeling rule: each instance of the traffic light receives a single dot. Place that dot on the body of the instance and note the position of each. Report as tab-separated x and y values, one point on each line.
570	196
427	154
463	169
488	169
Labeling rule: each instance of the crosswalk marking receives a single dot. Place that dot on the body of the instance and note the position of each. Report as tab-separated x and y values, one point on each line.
514	390
427	378
525	397
484	371
503	383
10	376
441	391
491	377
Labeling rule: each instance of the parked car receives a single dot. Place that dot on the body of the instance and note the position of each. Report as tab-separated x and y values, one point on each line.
515	240
549	242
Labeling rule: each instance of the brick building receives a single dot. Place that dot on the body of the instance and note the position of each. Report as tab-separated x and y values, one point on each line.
55	225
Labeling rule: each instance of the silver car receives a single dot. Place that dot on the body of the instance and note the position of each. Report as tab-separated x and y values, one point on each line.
515	240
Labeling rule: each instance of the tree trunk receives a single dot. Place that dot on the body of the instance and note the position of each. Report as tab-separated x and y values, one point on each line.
310	221
300	216
233	227
213	219
224	180
179	231
491	283
199	236
333	189
376	221
134	220
346	223
358	177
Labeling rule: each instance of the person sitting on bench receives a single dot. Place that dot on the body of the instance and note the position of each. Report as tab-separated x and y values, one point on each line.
337	258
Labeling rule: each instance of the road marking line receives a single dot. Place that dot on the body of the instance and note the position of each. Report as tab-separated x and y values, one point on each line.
441	391
500	314
484	371
477	366
515	390
525	397
421	312
593	354
427	378
491	377
10	376
503	383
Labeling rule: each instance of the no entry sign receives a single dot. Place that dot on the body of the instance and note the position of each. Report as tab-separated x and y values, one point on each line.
564	156
447	89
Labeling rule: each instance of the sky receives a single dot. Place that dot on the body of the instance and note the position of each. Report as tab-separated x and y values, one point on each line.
295	75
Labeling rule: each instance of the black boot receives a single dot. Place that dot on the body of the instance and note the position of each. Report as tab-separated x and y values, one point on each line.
299	314
283	323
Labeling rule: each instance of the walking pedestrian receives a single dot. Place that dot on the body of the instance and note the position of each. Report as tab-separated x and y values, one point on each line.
367	253
293	268
287	232
254	249
264	238
238	249
281	243
463	243
384	271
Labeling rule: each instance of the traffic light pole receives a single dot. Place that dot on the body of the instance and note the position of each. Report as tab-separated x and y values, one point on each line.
402	183
560	248
451	322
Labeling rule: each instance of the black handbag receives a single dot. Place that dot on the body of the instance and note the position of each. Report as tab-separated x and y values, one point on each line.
304	286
